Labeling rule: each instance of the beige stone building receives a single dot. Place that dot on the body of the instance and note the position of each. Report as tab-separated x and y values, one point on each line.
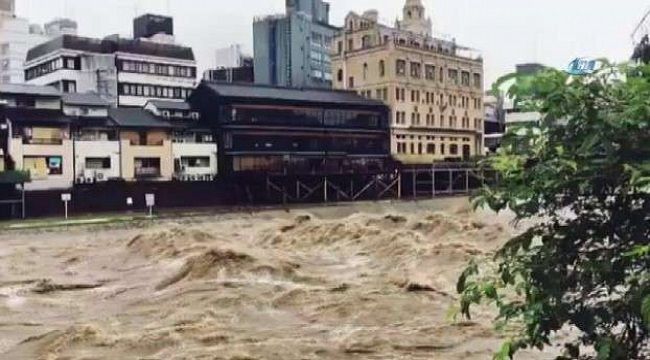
434	87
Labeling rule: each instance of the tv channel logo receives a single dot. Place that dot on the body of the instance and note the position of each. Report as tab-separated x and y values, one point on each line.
583	66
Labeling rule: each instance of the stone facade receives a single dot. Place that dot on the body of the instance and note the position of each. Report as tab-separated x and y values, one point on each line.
434	87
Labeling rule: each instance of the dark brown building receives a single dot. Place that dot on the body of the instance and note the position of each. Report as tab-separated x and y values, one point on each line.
283	130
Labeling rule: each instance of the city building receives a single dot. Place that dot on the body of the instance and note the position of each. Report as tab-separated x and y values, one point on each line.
17	36
58	27
231	57
145	145
244	73
514	114
39	140
434	87
4	138
273	129
503	112
292	50
95	138
494	127
194	149
156	28
125	72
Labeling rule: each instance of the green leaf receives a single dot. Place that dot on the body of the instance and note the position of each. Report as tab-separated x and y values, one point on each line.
604	349
645	311
505	353
490	291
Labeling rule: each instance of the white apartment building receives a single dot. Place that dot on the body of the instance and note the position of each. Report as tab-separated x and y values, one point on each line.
95	136
194	148
125	72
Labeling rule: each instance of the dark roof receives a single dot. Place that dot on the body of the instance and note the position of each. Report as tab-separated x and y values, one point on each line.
31	115
261	92
20	89
99	122
187	124
90	99
135	118
170	105
110	46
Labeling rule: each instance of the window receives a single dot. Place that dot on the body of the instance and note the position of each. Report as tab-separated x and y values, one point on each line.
382	68
196	161
365	71
340	47
98	163
430	72
453	76
477	81
350	45
69	86
400	67
465	78
431	148
43	166
351	82
147	167
442	149
416	70
365	41
453	149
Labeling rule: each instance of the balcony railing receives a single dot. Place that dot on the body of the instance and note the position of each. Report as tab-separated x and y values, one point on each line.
149	143
34	141
147	173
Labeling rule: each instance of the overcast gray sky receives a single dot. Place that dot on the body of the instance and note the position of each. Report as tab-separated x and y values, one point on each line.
506	31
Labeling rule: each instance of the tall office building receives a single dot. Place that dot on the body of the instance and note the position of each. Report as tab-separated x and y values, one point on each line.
125	72
230	57
17	36
434	87
292	50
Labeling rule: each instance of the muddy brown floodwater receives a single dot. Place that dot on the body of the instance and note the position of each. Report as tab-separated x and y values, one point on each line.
361	281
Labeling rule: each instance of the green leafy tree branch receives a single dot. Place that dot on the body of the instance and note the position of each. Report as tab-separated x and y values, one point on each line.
582	175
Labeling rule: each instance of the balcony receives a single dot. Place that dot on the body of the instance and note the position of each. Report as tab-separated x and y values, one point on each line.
34	141
148	143
147	173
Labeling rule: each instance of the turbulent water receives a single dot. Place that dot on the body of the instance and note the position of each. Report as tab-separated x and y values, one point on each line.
373	281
